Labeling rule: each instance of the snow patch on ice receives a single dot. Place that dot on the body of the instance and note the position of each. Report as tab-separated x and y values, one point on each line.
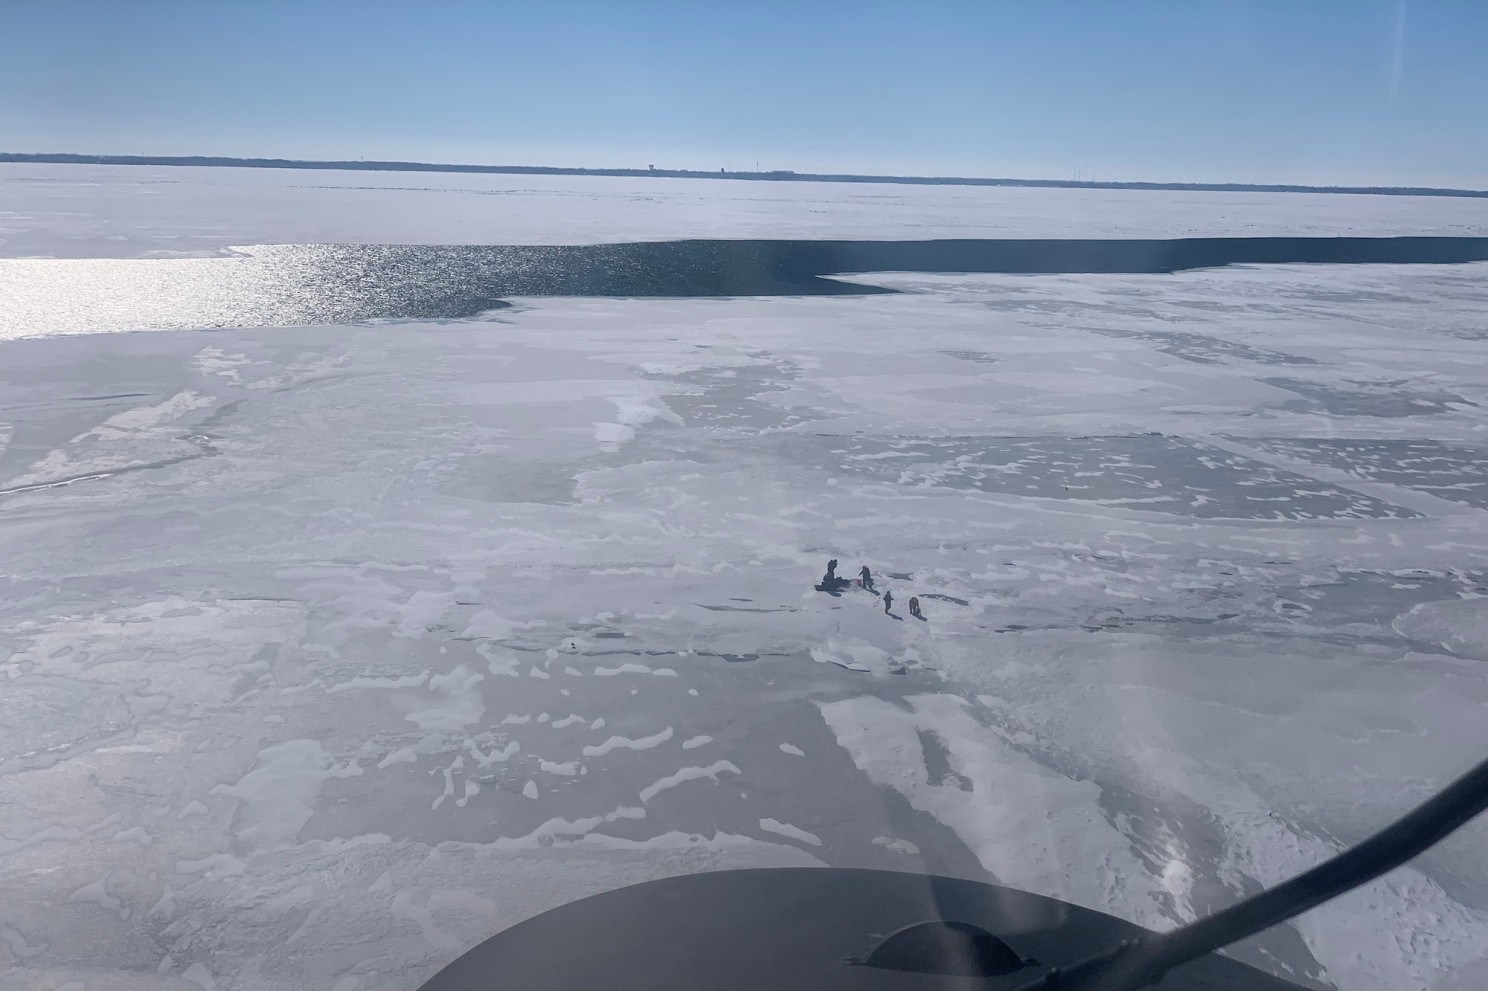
854	655
626	743
712	771
278	796
146	419
558	828
1029	826
791	832
633	411
136	834
612	435
97	893
462	703
1459	625
199	975
630	667
403	755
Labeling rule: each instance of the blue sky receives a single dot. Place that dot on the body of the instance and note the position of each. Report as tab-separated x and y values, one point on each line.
1352	91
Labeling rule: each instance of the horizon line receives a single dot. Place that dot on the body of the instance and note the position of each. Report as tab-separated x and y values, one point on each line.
773	175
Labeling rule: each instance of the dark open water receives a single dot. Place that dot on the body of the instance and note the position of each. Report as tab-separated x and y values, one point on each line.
286	285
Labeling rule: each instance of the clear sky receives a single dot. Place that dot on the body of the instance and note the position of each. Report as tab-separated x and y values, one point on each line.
1310	91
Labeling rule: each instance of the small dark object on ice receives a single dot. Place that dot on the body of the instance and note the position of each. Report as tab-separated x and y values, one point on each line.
888	600
867	577
914	608
830	582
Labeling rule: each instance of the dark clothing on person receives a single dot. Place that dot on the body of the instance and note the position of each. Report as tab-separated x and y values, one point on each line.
867	577
832	570
888	600
914	607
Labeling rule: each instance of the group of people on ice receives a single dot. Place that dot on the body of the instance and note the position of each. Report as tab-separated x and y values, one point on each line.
832	583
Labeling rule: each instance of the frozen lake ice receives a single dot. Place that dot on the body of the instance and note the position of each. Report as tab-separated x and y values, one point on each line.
327	651
85	211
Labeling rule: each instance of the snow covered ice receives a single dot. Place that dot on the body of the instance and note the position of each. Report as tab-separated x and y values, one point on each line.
327	652
125	212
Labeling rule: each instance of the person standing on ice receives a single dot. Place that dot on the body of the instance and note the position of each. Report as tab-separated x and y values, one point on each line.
867	577
914	607
888	600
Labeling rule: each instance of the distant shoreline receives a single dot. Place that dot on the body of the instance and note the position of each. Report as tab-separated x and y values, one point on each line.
773	176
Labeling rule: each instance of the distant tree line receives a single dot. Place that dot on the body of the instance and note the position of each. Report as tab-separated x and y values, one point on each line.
774	175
